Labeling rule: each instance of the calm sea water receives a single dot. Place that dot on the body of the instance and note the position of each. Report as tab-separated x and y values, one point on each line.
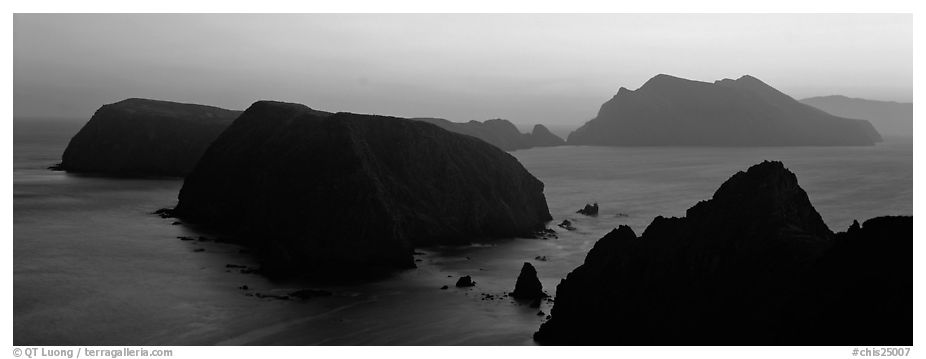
92	266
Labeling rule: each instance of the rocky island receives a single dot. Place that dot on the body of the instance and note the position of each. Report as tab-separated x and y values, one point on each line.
500	133
141	137
754	265
671	111
351	193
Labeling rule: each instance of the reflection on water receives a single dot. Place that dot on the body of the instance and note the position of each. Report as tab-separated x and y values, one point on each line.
92	266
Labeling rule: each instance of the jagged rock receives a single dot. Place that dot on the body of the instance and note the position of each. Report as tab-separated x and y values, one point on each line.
140	137
567	225
589	209
355	192
497	132
500	133
754	265
670	111
527	285
465	281
541	258
545	233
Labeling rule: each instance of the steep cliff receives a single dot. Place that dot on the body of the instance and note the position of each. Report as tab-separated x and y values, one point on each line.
140	137
355	191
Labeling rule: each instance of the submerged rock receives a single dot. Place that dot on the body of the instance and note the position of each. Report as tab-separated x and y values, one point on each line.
141	137
465	281
754	265
589	209
354	194
527	285
567	225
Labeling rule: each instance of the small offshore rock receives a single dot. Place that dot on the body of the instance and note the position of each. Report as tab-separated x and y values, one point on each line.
589	210
465	281
444	287
567	225
528	286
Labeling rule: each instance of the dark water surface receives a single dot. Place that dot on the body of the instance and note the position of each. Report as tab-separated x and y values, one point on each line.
92	266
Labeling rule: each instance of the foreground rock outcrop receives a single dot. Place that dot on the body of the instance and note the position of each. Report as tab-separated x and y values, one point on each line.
670	111
140	137
350	193
754	265
500	133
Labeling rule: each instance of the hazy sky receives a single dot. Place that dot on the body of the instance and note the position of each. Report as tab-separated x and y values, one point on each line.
551	69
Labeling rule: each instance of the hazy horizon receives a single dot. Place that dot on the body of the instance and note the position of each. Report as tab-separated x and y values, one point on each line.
528	68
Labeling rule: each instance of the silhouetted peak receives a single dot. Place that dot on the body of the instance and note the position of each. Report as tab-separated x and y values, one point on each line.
663	80
766	193
607	245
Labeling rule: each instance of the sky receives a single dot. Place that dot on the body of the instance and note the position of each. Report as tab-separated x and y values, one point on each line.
554	69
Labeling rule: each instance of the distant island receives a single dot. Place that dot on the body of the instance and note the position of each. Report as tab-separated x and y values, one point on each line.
352	195
754	265
888	117
500	133
141	137
671	111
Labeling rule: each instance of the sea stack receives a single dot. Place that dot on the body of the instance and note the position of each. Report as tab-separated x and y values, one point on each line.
528	287
754	265
352	193
671	111
141	137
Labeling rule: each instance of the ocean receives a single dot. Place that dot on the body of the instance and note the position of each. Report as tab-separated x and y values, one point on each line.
93	266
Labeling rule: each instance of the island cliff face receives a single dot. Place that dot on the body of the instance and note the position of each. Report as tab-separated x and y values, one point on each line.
354	192
670	111
754	265
500	133
140	137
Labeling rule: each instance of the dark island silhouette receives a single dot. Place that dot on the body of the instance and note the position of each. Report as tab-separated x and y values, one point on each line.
500	133
754	265
141	137
144	137
348	194
889	117
671	111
